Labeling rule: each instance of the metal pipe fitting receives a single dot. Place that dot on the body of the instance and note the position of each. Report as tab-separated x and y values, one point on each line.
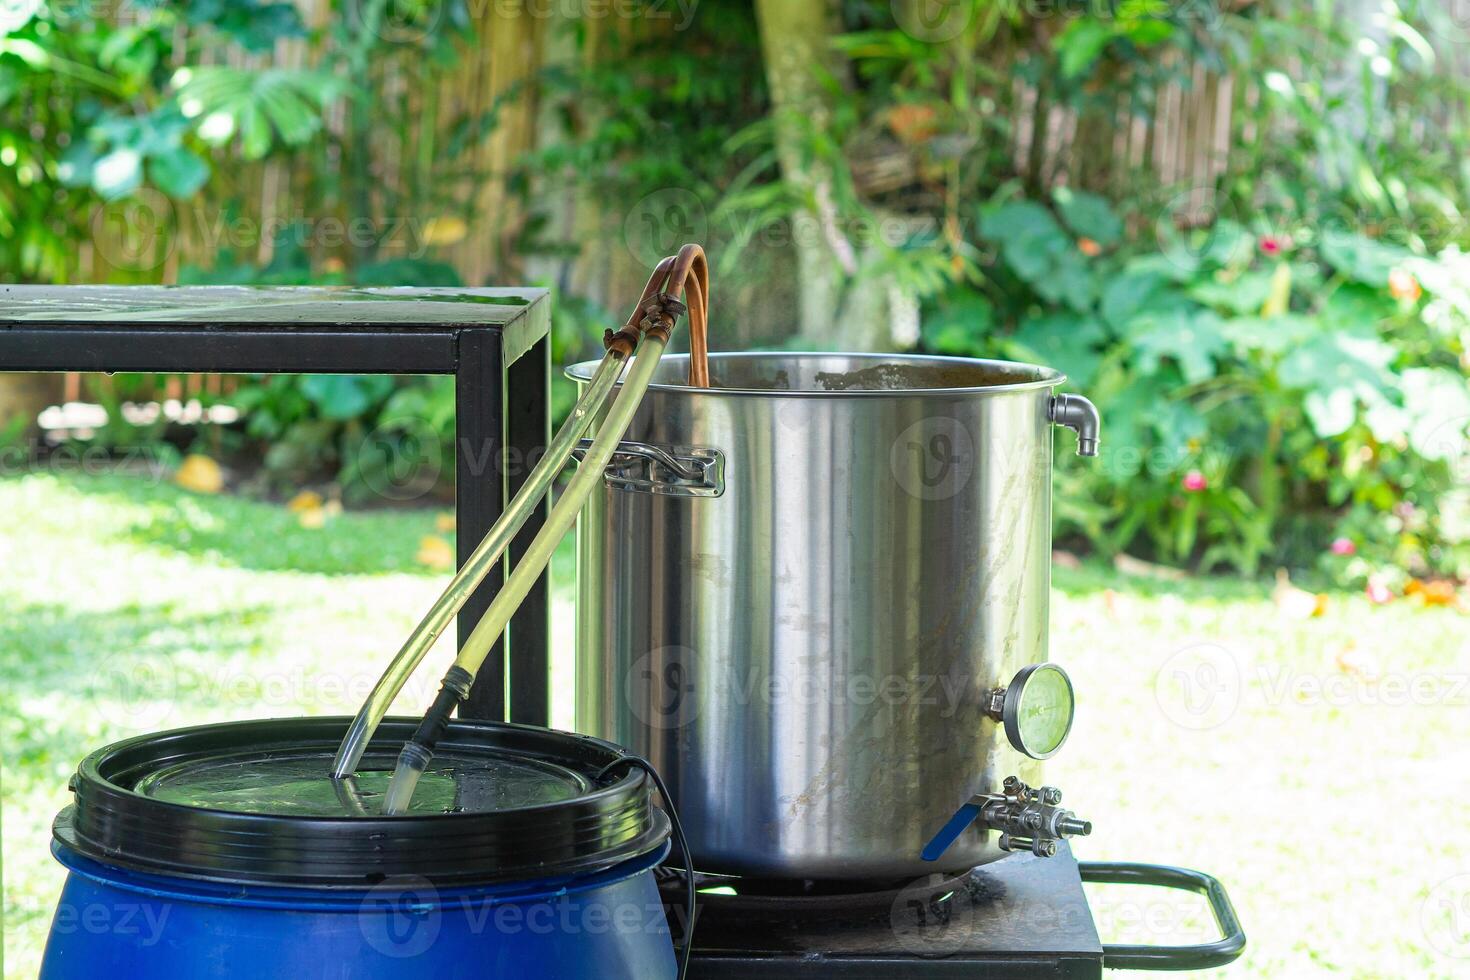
1081	416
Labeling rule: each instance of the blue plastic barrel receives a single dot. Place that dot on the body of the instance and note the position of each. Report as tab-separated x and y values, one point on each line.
114	924
159	890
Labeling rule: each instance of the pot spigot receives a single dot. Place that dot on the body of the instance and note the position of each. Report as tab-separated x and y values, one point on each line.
1079	415
1028	820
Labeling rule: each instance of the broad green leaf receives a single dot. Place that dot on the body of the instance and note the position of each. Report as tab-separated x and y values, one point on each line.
179	173
1245	293
1338	371
1355	308
1069	281
1178	426
1015	219
345	396
1066	342
1192	339
959	324
117	174
1129	404
1438	402
1275	335
1088	215
76	165
1081	43
1136	290
1227	243
28	51
265	106
1331	411
1361	258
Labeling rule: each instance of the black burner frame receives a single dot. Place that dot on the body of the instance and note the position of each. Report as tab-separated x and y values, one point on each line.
1023	918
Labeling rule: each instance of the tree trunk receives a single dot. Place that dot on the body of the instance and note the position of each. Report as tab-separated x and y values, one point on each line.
607	270
22	398
795	36
500	69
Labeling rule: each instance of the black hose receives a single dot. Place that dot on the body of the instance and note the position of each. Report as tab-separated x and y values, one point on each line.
418	751
679	838
455	688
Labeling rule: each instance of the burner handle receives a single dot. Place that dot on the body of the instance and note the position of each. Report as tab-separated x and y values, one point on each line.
1203	956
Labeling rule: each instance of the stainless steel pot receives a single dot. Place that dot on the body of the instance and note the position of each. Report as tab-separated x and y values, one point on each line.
802	592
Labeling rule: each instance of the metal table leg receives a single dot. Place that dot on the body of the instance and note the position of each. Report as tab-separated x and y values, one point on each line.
528	431
479	492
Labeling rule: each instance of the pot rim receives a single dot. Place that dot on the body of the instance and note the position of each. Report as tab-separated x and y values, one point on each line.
1049	377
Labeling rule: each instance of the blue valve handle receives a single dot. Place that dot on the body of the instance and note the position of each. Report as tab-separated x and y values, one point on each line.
950	832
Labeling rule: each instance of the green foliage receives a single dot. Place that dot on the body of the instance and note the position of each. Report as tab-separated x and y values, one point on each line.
314	427
95	111
1280	362
1257	404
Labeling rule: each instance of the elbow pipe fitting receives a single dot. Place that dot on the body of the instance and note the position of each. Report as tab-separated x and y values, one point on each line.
1080	415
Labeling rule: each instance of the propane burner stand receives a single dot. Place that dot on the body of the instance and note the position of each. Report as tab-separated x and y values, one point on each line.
1018	918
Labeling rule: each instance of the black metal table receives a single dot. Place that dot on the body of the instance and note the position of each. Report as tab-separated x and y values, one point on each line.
495	342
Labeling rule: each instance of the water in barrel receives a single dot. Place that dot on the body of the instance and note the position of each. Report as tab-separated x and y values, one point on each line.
301	785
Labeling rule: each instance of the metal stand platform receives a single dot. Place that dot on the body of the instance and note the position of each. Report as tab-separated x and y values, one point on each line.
1019	918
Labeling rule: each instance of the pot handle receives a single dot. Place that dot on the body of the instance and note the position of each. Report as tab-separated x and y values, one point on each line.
671	472
1203	956
1079	415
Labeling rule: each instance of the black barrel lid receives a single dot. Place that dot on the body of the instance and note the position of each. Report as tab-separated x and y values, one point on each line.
254	802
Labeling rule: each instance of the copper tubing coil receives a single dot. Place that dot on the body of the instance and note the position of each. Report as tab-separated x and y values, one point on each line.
685	274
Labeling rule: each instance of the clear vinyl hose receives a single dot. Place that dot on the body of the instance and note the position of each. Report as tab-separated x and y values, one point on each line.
416	754
476	567
589	476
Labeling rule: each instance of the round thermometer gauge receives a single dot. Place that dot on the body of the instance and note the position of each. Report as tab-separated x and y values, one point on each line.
1038	709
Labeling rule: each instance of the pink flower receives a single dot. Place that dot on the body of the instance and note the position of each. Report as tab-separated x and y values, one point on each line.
1194	481
1378	593
1271	246
1344	546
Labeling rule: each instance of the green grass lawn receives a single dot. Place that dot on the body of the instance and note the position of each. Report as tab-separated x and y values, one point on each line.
1213	731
